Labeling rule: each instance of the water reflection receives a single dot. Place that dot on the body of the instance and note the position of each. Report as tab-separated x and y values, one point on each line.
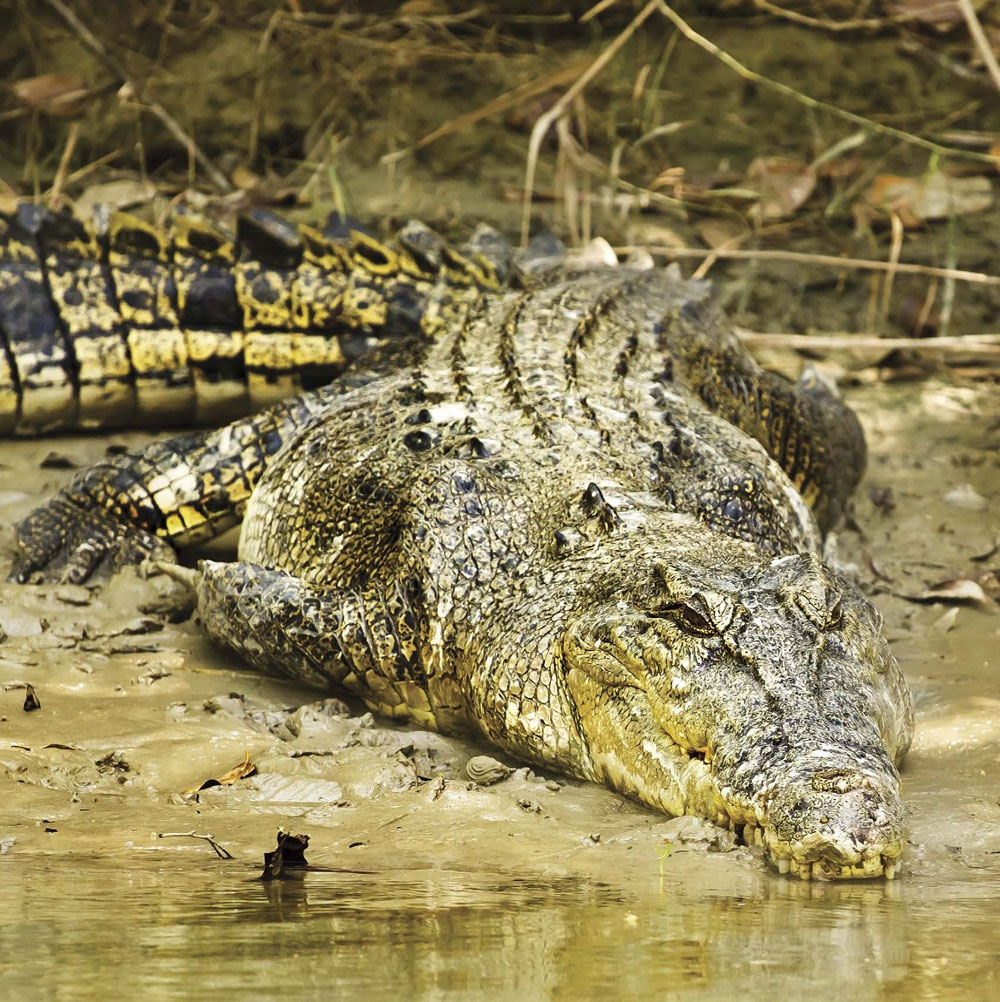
90	930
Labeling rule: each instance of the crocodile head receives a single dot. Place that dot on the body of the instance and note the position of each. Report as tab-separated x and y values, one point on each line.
756	692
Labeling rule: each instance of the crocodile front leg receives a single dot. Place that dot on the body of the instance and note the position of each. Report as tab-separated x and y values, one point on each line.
169	495
383	644
363	642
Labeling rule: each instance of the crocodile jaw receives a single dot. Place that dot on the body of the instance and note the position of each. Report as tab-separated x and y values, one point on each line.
834	823
804	831
770	705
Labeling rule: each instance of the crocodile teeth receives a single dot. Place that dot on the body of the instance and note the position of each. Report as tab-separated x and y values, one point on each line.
783	864
889	869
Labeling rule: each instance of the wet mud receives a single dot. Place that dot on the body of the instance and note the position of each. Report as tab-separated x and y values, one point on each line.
136	712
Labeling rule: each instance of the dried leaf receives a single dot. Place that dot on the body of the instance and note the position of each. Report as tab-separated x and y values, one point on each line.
961	590
245	179
783	185
941	15
724	232
933	196
873	569
655	235
238	772
422	8
946	621
980	558
672	178
288	855
54	93
966	497
114	195
31	701
9	198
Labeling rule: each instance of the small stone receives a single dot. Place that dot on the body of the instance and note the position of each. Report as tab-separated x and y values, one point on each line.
965	496
73	594
485	771
58	461
19	624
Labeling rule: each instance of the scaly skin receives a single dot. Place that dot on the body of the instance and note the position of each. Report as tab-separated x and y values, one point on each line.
134	326
577	525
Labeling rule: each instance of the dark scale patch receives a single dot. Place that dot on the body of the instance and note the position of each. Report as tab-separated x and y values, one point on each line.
739	505
372	253
72	297
268	240
483	448
626	355
139	241
317	376
424	246
595	505
422	439
137	299
271	442
204	241
463	483
372	489
422	416
211	301
567	541
505	469
405	307
266	291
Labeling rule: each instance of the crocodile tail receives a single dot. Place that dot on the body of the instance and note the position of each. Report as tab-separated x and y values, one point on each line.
127	324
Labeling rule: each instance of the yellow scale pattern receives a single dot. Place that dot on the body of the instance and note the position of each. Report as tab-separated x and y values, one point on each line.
140	337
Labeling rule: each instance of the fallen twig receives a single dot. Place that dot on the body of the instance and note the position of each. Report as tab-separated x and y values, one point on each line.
827	260
983	46
220	851
810	102
504	102
545	121
55	192
986	344
853	24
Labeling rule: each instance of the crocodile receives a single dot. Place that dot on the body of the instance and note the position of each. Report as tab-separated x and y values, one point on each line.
578	521
122	324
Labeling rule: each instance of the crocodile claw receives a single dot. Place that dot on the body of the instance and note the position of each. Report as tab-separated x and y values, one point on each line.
63	542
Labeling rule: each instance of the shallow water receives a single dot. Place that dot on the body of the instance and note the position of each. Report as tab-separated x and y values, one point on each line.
427	889
169	928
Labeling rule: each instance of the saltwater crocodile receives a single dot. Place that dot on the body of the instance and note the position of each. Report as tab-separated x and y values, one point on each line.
581	522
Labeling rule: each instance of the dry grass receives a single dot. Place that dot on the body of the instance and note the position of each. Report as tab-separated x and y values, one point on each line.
276	101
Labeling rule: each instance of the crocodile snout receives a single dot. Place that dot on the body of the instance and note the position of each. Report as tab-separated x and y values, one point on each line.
837	822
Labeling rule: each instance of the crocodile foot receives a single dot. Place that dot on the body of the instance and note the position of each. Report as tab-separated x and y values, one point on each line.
66	543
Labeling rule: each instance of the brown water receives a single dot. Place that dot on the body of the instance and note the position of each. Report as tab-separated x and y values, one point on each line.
430	889
173	928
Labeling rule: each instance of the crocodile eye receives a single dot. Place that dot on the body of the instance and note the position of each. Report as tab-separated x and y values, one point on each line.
688	619
835	615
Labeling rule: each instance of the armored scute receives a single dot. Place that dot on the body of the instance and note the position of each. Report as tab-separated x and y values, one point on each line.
569	515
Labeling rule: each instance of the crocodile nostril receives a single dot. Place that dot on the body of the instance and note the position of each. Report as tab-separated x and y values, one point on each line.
837	781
